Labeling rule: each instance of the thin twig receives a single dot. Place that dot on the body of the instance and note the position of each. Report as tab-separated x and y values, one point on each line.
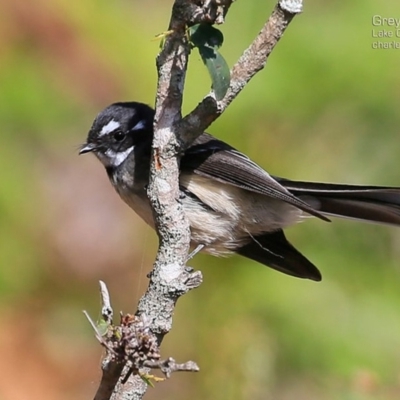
106	309
169	366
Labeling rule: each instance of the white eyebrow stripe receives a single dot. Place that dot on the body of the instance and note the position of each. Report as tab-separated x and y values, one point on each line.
110	127
139	125
117	158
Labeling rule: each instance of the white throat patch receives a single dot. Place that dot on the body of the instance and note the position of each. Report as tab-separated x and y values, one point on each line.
110	127
116	159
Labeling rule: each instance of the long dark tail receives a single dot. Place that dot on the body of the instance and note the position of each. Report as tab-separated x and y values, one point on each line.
366	203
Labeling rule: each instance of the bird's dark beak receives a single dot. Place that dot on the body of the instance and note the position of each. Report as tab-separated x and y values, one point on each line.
87	148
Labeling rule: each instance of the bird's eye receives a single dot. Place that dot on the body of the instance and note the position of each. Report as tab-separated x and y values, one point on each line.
118	136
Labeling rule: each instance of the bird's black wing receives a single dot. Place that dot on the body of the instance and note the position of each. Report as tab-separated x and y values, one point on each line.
212	158
273	250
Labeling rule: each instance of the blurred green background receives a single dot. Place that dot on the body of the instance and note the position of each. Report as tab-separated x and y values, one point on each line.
326	108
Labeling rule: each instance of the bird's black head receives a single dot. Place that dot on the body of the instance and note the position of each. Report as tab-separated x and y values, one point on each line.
117	130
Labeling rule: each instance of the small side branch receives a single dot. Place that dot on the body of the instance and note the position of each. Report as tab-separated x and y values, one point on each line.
169	366
132	351
252	61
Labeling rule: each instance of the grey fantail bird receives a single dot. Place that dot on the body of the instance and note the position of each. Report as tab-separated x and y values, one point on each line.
232	204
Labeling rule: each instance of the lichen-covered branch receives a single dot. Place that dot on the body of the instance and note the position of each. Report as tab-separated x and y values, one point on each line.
171	278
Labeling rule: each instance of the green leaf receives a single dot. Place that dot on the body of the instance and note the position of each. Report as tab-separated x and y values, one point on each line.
208	39
218	70
205	35
147	380
102	327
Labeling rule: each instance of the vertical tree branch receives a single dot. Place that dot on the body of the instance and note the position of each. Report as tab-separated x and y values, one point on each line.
170	277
